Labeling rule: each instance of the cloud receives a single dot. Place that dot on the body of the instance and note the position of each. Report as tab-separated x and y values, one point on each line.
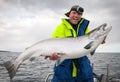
28	21
34	6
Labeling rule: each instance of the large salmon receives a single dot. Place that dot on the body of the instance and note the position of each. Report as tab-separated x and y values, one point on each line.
66	48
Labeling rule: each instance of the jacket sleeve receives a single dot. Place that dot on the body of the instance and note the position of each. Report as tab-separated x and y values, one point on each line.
61	71
59	32
87	30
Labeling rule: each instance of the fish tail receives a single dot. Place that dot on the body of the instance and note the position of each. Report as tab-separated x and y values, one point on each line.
12	67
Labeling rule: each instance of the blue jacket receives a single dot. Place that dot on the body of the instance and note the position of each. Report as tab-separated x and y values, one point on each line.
63	72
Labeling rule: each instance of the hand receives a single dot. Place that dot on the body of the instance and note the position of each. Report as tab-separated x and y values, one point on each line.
54	56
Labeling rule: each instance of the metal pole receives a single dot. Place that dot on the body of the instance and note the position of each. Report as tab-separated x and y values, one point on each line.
46	79
108	70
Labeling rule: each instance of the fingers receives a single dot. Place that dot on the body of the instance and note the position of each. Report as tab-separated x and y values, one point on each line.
53	56
47	57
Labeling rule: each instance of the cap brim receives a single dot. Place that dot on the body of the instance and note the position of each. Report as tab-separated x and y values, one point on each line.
67	14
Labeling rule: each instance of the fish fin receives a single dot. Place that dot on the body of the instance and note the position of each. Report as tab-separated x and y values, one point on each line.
32	58
88	46
59	61
92	53
12	67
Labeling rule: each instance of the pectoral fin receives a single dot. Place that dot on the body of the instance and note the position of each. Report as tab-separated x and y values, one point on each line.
88	46
92	53
59	61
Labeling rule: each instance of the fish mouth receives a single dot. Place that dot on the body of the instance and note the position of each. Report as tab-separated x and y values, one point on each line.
105	28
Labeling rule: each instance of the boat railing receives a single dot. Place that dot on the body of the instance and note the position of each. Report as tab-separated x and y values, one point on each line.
98	78
47	77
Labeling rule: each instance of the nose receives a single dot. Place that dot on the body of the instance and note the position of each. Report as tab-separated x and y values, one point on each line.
77	14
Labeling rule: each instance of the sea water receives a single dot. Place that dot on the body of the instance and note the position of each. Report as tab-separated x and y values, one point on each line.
37	70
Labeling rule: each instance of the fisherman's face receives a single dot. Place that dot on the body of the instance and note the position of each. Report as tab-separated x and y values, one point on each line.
74	17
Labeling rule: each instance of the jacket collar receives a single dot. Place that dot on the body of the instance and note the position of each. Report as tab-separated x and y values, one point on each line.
64	20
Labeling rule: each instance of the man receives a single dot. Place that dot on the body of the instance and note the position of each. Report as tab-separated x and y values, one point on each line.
72	70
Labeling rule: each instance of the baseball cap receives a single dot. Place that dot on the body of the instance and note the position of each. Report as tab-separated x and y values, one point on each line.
76	8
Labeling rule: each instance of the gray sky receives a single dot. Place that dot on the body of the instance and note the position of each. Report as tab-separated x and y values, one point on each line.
24	22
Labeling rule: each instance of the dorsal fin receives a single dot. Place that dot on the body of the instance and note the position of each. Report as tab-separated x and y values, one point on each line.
88	46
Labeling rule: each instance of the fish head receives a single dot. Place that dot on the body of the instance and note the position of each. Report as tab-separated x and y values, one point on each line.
100	32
